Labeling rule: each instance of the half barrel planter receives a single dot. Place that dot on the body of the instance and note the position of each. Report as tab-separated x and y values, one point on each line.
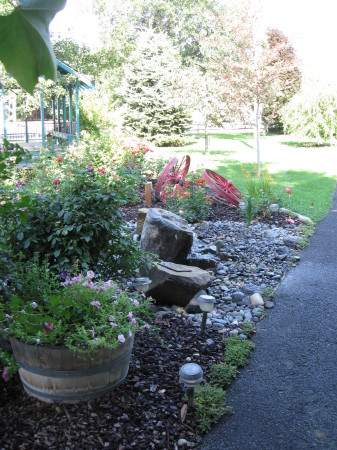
56	374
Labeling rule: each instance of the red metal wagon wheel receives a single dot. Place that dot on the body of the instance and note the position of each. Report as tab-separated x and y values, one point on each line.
223	188
173	173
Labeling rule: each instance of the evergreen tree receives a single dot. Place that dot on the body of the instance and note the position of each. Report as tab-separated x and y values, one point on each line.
151	91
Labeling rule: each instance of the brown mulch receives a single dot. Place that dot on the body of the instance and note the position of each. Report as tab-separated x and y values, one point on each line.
143	413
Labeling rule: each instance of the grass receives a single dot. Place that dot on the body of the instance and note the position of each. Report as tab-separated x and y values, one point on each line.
309	171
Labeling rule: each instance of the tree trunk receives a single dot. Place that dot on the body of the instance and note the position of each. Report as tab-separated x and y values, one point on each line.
257	134
206	138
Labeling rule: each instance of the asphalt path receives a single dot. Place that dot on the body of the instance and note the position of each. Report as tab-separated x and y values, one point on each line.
286	398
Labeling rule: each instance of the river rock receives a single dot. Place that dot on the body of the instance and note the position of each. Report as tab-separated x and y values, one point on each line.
256	299
167	235
176	284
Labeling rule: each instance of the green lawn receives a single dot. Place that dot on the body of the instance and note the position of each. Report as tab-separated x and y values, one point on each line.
310	171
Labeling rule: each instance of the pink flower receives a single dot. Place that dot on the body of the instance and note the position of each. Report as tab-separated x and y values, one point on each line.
181	212
134	321
289	220
96	304
57	181
261	190
121	338
87	284
4	373
49	325
142	295
136	302
90	274
288	191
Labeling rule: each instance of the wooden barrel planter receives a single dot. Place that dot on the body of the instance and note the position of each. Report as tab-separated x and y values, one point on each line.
56	374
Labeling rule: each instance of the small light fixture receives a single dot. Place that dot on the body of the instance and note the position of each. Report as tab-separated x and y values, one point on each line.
242	206
142	284
274	207
206	303
191	375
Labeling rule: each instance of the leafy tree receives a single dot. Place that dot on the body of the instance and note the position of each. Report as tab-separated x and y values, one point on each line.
185	21
249	66
290	78
78	57
153	105
312	115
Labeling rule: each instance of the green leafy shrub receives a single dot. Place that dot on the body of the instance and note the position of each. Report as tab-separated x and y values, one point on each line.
209	404
75	220
247	329
222	374
237	351
191	201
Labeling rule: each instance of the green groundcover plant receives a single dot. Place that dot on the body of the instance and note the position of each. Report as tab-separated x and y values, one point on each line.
80	312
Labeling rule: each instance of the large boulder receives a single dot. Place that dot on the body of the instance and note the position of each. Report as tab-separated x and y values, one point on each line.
167	235
176	284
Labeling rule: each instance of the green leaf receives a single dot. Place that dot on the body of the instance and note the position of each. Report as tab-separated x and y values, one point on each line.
20	236
57	253
26	50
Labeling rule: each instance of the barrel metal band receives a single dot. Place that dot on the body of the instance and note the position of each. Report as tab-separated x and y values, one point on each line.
73	373
80	396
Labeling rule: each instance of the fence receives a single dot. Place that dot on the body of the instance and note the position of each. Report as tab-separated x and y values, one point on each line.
32	130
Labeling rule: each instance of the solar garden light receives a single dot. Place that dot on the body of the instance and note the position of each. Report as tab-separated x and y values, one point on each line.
191	375
142	284
206	303
274	207
243	207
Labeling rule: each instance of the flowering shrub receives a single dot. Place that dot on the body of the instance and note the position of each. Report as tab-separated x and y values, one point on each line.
8	364
191	200
82	314
74	219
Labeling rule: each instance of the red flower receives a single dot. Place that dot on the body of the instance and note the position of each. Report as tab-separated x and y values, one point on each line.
59	159
288	191
57	181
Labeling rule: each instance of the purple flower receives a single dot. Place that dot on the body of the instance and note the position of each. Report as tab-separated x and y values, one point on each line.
90	274
37	341
134	321
143	295
113	324
130	333
48	325
93	331
136	302
57	181
95	339
87	284
64	274
34	305
130	315
121	338
111	318
96	304
4	373
90	169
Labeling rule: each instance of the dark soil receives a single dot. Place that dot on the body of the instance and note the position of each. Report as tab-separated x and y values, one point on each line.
143	413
